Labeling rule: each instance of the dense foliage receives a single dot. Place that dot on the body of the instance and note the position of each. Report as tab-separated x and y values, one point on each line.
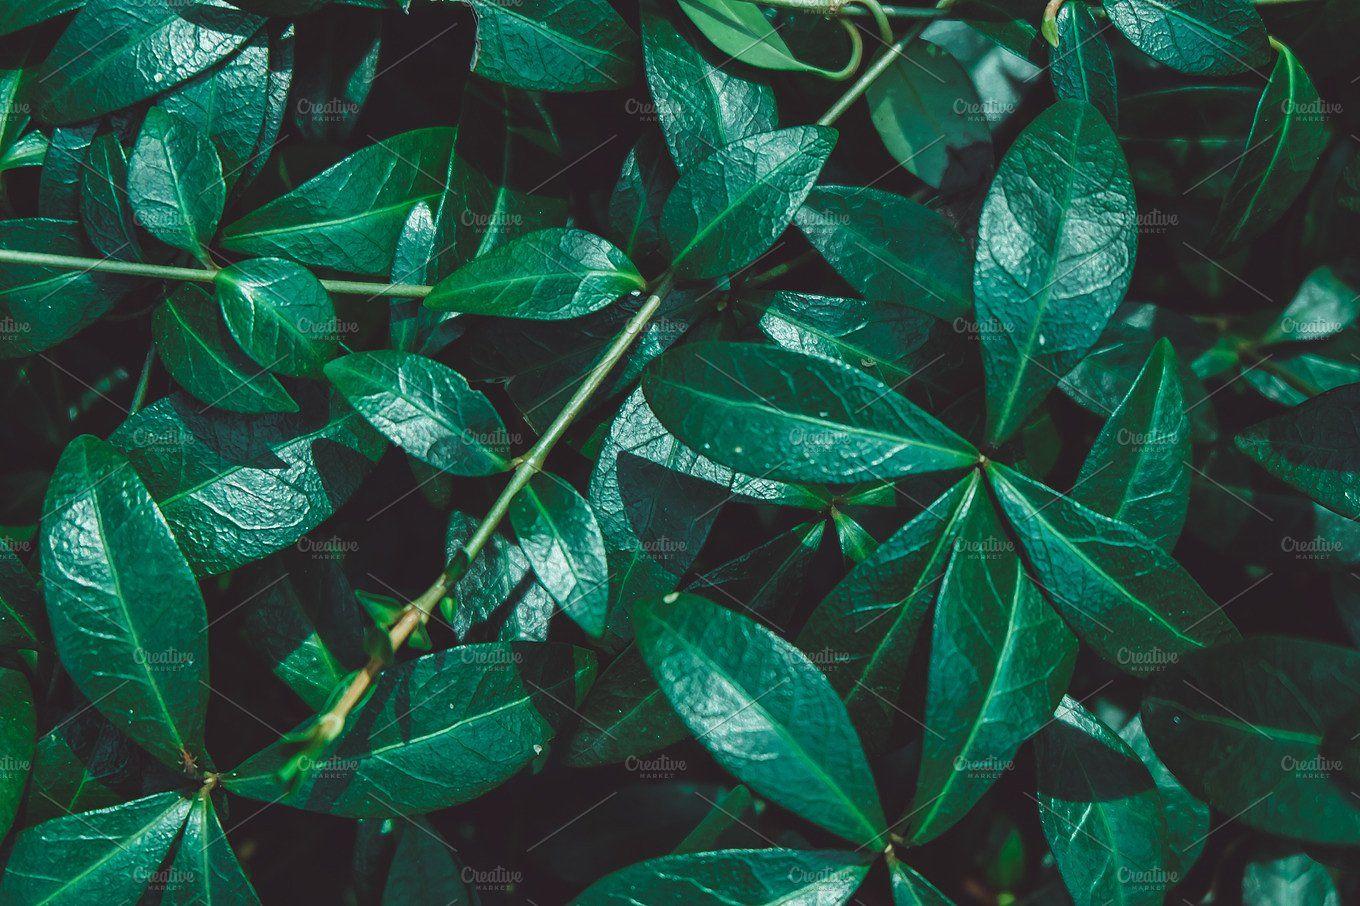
679	452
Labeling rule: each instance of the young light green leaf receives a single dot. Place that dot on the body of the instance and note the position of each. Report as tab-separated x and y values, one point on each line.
1247	727
204	868
557	531
118	52
740	30
1314	447
863	234
1101	812
1121	593
1203	37
426	408
701	104
1138	469
1081	65
1000	661
18	730
349	216
105	208
108	855
773	413
863	632
929	116
237	488
751	877
1288	136
1056	245
280	314
175	183
127	617
193	343
473	715
729	208
549	275
545	45
763	710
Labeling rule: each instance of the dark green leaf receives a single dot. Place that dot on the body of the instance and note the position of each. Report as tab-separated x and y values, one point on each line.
1125	596
730	207
772	413
350	216
424	870
84	763
127	616
23	13
337	63
175	183
1245	726
472	716
647	177
1187	819
1081	65
21	607
1055	253
558	533
204	869
1325	305
280	314
626	715
105	208
1289	879
426	408
549	275
741	31
18	728
863	232
579	45
910	889
1101	812
1138	469
1206	37
749	877
118	52
764	711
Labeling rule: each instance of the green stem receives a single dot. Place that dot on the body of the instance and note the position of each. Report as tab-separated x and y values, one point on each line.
196	274
877	68
139	395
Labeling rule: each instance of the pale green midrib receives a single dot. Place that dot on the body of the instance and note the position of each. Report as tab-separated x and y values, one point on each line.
1252	729
780	730
555	532
223	363
839	426
541	28
116	575
934	806
922	276
1197	24
857	351
505	283
1080	555
115	851
1286	128
1100	807
258	301
231	236
944	540
181	202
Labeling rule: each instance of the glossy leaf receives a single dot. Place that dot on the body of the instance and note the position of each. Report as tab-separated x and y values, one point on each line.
742	32
1055	254
763	710
1081	66
730	207
1205	37
910	889
772	413
625	715
558	533
579	45
1187	818
175	183
280	314
1290	879
204	868
21	607
105	208
127	616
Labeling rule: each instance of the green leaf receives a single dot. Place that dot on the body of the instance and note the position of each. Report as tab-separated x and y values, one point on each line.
338	61
203	358
499	580
750	877
105	208
1187	818
1247	727
21	606
59	183
1288	136
1101	812
1289	879
909	888
1314	447
773	413
729	208
625	715
236	488
727	811
18	730
424	869
1121	593
700	104
84	763
763	710
861	233
175	183
23	13
549	275
740	30
472	716
1000	661
350	216
118	52
1056	246
1203	37
863	632
1080	64
127	617
545	45
109	855
204	868
1324	305
1138	469
43	306
646	179
280	314
557	531
426	408
929	116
